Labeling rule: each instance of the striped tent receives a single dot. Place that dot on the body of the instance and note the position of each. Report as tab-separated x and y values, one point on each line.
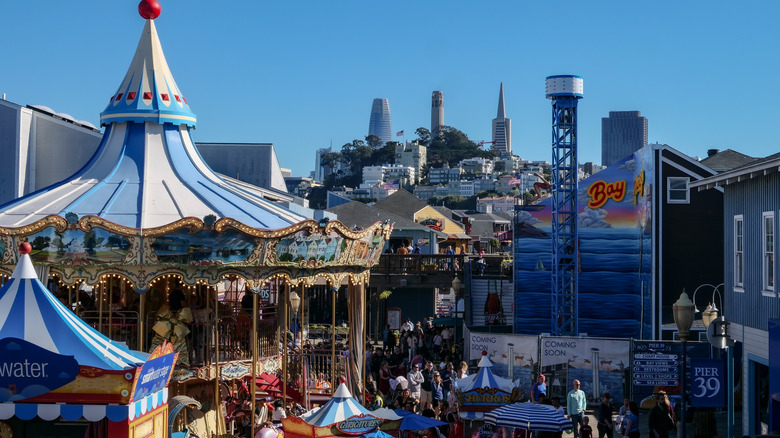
339	408
28	311
529	416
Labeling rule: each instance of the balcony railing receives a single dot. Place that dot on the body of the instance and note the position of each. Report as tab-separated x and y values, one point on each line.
396	264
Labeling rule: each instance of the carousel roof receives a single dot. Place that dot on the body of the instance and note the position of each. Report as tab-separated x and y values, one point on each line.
484	378
28	311
147	173
338	408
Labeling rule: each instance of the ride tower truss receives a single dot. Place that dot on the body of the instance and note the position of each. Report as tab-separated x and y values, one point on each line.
564	91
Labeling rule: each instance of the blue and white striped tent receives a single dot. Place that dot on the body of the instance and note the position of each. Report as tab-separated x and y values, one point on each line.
476	382
28	311
339	408
529	416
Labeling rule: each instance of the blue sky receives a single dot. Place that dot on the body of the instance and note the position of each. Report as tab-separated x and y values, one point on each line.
303	74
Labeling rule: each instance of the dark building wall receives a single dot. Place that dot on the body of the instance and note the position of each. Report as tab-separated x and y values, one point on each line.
691	239
415	303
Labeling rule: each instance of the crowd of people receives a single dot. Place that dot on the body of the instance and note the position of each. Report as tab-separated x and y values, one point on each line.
414	368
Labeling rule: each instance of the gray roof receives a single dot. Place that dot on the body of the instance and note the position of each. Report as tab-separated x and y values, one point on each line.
401	203
729	159
362	215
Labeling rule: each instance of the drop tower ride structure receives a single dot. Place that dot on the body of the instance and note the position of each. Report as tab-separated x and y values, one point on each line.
564	91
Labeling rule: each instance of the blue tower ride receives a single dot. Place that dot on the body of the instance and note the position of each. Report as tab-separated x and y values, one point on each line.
564	91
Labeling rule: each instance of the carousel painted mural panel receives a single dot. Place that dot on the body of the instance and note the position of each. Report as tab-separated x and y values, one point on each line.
76	246
183	247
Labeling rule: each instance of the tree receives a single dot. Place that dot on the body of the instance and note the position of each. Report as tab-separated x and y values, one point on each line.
40	243
373	141
494	244
453	145
423	136
499	167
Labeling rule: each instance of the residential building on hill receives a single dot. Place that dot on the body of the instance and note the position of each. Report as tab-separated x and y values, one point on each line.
412	155
444	174
504	204
476	165
424	193
386	172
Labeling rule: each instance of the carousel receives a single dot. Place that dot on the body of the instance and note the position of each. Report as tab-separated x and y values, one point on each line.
148	245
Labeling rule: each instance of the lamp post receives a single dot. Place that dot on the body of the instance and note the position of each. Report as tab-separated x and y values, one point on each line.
455	288
295	304
719	337
683	317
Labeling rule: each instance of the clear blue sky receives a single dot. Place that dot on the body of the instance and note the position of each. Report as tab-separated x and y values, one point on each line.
301	74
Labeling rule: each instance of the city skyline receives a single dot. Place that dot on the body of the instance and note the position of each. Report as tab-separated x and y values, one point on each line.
308	63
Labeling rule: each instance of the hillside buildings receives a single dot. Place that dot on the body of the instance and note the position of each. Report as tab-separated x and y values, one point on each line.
412	155
622	134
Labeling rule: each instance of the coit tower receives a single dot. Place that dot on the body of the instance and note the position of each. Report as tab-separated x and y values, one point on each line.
437	113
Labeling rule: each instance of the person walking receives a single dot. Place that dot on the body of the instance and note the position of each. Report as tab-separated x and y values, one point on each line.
415	379
604	426
539	388
658	421
575	406
632	420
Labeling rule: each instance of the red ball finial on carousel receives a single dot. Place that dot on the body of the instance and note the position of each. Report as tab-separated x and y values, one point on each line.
25	248
149	9
484	352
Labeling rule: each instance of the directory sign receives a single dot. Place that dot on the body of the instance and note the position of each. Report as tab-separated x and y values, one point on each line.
655	364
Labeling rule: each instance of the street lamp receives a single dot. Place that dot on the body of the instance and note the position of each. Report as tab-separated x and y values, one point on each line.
683	317
295	304
718	335
455	288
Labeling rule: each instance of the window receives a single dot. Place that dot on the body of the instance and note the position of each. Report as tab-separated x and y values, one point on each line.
677	190
739	239
768	254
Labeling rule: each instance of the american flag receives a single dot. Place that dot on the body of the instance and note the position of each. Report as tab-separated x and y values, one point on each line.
515	182
399	133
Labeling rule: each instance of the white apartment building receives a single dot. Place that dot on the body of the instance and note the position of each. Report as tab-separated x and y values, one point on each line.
411	155
477	165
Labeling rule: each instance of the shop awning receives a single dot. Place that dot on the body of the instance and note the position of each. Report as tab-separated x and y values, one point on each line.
73	412
458	236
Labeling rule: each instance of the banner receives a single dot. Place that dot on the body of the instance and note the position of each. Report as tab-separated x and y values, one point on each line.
513	356
708	383
599	364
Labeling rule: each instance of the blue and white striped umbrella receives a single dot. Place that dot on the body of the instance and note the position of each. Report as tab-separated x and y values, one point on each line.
529	416
30	312
339	408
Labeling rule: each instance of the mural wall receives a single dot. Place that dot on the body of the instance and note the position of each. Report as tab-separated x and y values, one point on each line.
615	241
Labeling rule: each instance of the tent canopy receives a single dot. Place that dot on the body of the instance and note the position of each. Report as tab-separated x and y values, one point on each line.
28	311
341	407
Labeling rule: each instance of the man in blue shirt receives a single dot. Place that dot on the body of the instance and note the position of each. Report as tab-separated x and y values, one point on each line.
539	388
575	406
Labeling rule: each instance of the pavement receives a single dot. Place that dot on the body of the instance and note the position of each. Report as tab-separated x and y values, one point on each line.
720	418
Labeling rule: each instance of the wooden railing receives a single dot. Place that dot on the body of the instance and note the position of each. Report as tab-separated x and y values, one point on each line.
396	264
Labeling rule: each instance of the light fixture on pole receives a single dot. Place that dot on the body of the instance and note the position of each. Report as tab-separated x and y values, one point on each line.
684	311
295	304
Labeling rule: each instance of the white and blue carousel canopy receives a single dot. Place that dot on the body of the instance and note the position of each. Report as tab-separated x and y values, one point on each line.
147	173
148	92
28	311
339	408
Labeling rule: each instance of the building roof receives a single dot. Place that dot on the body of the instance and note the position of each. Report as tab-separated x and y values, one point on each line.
758	167
727	160
362	215
401	203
